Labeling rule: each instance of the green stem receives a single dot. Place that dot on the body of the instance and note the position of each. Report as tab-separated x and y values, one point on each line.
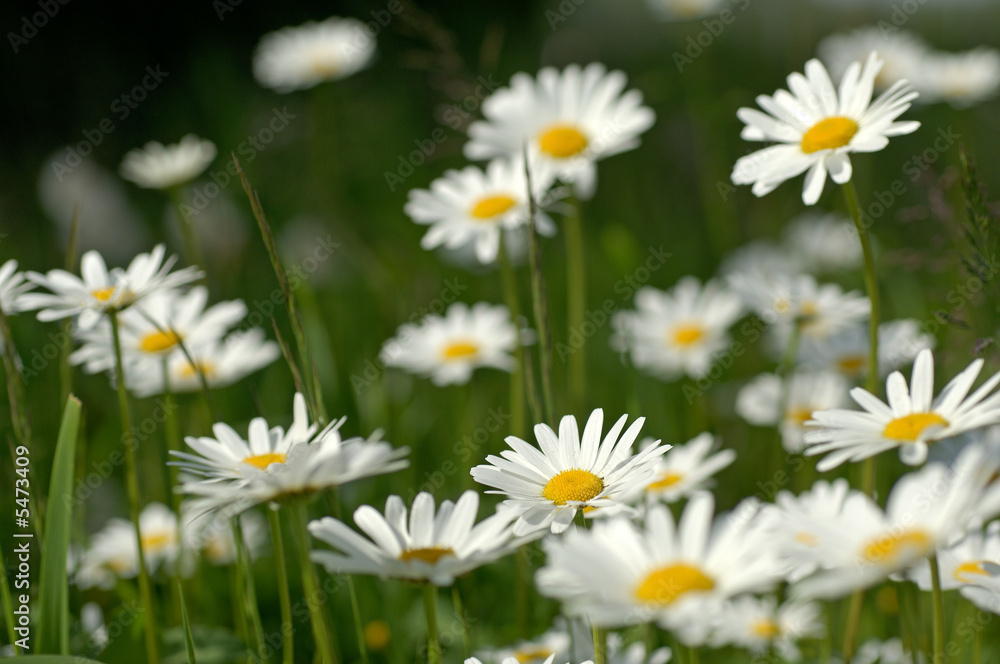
310	586
239	603
132	482
540	304
871	285
284	594
977	647
521	374
523	591
576	302
938	599
250	604
600	645
430	608
456	599
333	502
692	655
8	605
192	248
853	623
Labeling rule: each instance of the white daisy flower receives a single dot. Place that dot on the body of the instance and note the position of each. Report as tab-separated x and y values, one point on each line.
683	10
889	651
961	79
158	166
433	547
222	362
569	120
98	291
970	565
113	553
761	257
910	421
12	286
617	574
677	332
556	642
474	206
546	488
759	624
788	404
448	348
816	127
846	351
925	510
824	243
687	468
297	58
211	535
903	54
157	327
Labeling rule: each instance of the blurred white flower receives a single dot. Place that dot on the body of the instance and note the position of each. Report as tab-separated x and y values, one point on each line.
758	624
961	79
113	552
684	10
687	468
823	242
902	54
12	285
158	166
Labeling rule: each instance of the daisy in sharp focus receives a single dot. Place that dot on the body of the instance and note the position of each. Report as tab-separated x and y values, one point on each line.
674	574
434	546
677	332
448	348
297	58
475	206
158	166
568	120
98	291
910	421
545	488
846	351
817	127
687	468
759	624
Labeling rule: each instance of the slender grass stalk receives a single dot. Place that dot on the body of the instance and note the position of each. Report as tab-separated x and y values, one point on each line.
977	647
15	385
132	483
333	502
871	286
284	593
8	606
66	347
188	639
938	599
192	247
322	634
600	645
456	600
523	591
540	303
172	442
522	371
576	303
250	604
692	655
430	608
239	602
853	623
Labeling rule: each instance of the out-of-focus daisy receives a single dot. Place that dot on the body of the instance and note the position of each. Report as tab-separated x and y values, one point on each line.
474	206
97	291
890	651
677	332
618	653
846	351
816	127
759	624
433	546
761	257
555	642
449	348
961	79
158	326
911	420
924	511
12	286
113	552
687	468
823	242
569	120
222	363
971	565
545	488
903	54
817	309
296	58
158	166
768	400
683	10
211	535
676	575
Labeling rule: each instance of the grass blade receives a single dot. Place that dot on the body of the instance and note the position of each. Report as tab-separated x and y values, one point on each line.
53	621
188	640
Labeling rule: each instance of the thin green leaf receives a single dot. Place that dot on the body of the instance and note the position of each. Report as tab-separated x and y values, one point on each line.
188	640
53	620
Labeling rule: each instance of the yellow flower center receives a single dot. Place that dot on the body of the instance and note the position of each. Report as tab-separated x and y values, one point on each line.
156	342
489	207
562	141
909	427
377	635
573	484
459	350
532	654
103	294
262	461
688	334
766	629
429	555
191	370
322	65
156	542
851	364
798	416
665	585
829	133
888	549
782	305
808	539
973	567
668	480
